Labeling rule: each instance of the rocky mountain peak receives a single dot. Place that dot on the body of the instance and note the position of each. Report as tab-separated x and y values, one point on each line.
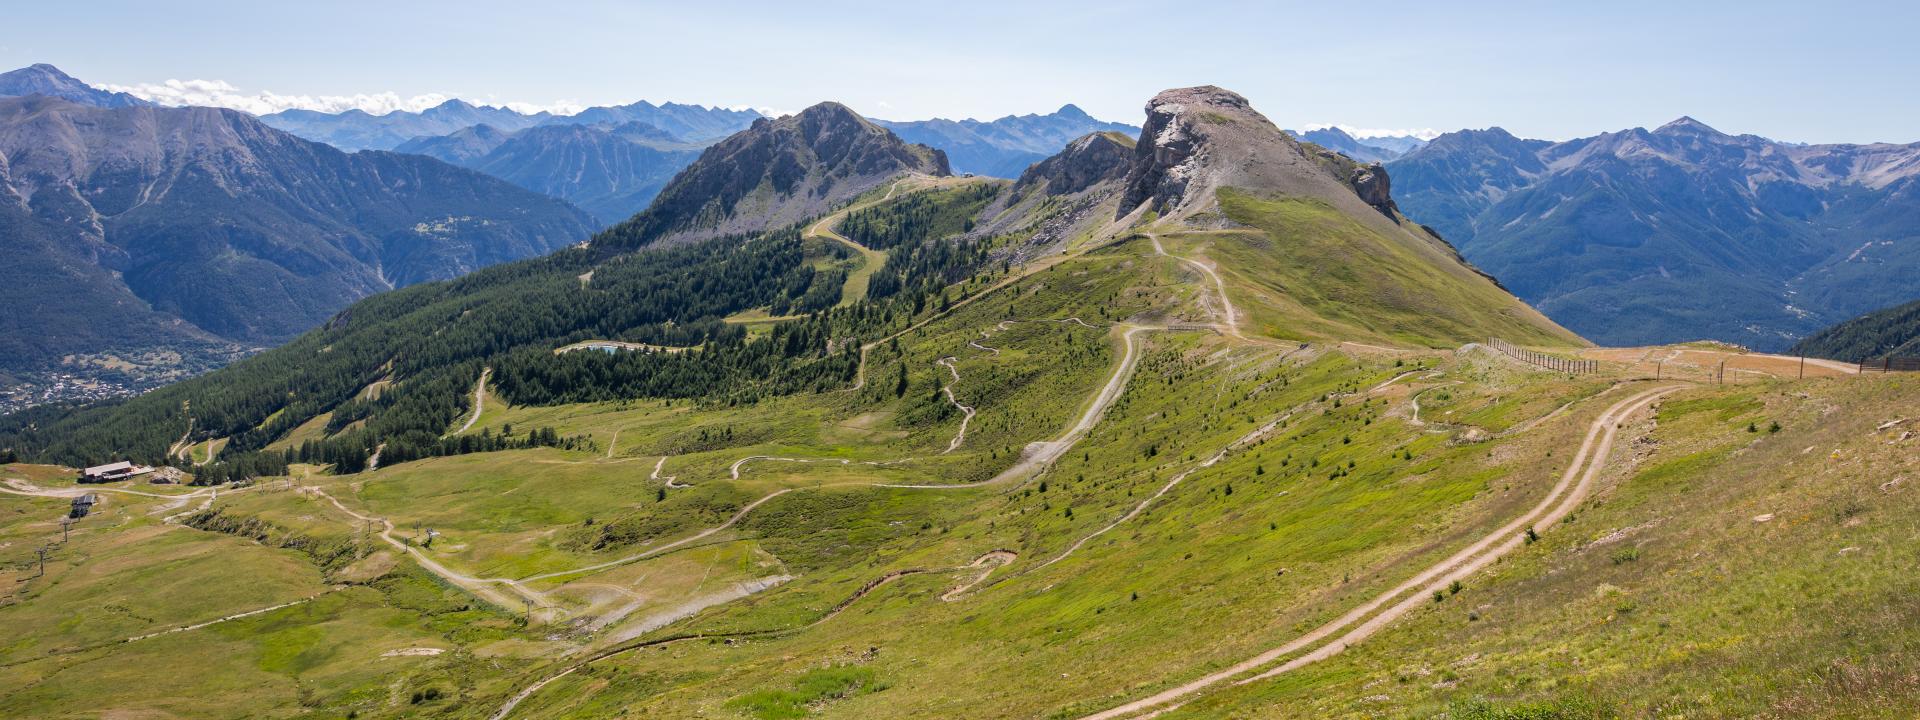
1073	112
1196	140
1687	126
45	79
777	172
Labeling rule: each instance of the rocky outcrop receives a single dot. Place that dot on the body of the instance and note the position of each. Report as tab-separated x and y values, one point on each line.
1167	158
1198	140
1088	161
1371	184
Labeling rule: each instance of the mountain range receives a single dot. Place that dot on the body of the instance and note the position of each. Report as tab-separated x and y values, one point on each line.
359	130
1006	146
1368	150
1197	422
1677	233
611	171
147	242
1208	174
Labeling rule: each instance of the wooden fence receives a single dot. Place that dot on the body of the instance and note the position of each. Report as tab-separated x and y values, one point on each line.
1891	364
1550	362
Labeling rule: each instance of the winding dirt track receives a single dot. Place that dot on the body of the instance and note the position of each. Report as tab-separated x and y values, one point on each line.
673	481
1230	320
479	400
483	587
1560	500
960	437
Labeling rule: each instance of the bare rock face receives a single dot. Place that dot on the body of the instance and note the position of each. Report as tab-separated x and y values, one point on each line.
1170	154
1093	159
1372	185
1201	139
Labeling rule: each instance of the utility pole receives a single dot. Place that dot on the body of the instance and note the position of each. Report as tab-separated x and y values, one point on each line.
1656	368
43	560
1803	366
65	523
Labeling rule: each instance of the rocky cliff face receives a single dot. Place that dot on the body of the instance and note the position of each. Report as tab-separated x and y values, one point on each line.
1198	140
1090	160
777	172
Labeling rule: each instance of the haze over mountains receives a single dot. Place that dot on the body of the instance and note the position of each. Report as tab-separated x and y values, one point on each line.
1677	233
358	130
1006	146
611	171
1368	150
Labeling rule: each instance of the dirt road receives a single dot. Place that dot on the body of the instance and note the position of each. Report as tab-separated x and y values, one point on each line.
960	437
1572	489
1230	316
479	401
482	587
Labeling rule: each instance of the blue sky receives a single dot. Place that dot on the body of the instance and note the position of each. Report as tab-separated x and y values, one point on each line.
1811	72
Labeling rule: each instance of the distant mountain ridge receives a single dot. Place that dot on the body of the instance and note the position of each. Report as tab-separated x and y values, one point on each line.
611	171
1677	233
142	231
1368	150
44	79
1006	146
690	123
352	130
358	130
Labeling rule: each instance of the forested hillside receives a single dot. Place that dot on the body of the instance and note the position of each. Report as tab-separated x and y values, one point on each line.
429	343
1888	332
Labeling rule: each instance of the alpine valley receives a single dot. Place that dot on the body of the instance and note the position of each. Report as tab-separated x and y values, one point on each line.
814	415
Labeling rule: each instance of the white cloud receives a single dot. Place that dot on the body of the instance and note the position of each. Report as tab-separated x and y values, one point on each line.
1360	132
220	93
559	107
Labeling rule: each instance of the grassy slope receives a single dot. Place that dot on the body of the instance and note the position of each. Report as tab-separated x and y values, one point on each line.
1307	273
1666	597
1344	499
